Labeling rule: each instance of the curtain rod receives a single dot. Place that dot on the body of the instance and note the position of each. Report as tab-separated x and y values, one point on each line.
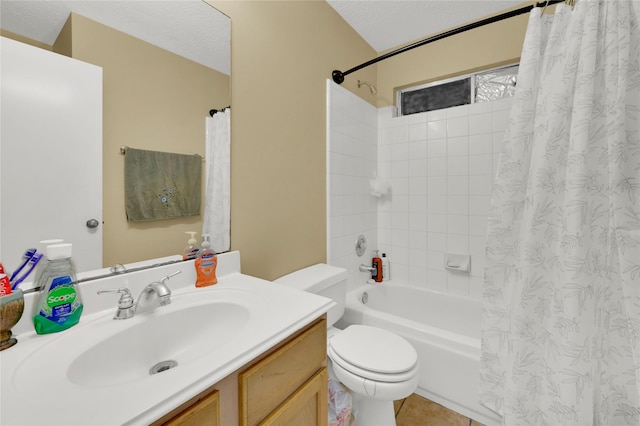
338	76
212	112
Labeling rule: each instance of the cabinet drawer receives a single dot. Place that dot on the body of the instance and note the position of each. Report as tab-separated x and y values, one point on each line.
307	406
269	382
205	412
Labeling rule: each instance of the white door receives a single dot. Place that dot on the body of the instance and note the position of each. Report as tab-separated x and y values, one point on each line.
50	153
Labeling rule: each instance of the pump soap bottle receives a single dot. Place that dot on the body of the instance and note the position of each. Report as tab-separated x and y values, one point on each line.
376	263
60	305
192	249
206	264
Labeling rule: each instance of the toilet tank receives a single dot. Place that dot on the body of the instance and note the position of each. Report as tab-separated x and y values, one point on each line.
324	280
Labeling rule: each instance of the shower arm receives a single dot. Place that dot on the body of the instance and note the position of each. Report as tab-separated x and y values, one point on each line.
338	76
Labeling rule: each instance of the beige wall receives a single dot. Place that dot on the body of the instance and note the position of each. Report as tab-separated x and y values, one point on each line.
282	52
153	100
486	47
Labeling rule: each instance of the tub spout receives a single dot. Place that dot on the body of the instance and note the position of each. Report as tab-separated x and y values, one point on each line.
365	268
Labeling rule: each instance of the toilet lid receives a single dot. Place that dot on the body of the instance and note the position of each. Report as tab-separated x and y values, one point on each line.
374	349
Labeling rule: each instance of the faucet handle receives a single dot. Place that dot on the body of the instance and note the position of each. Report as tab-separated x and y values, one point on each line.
163	279
126	300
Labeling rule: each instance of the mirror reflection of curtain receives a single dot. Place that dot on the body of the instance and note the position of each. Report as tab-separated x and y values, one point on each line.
217	212
561	320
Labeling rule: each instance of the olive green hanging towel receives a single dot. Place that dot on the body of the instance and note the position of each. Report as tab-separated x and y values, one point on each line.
161	185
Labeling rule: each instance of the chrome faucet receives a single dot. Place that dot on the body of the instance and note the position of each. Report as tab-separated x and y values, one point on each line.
125	304
152	296
365	268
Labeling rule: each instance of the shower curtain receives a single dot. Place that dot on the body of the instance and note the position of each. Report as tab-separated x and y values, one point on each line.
561	317
217	211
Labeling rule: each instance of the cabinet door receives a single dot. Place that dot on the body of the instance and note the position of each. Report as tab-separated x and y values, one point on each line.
205	412
268	383
51	146
307	406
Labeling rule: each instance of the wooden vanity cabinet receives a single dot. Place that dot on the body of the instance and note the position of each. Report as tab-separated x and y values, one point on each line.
204	412
286	385
288	381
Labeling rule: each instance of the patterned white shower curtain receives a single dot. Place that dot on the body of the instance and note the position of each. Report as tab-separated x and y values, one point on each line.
561	318
217	209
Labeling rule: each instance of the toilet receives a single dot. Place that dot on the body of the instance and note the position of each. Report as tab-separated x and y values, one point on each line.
375	365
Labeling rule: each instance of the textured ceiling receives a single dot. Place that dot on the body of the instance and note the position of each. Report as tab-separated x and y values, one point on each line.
195	30
386	24
190	28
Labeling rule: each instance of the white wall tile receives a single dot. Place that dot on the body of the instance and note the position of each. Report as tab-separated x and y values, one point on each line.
500	120
437	241
478	225
458	205
481	185
458	166
480	108
436	204
457	111
477	245
436	167
418	131
437	148
480	123
457	146
437	223
418	149
481	164
458	224
417	167
479	204
437	185
457	126
441	166
481	144
458	283
457	185
437	129
457	243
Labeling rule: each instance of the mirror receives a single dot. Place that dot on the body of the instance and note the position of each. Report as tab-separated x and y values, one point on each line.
153	98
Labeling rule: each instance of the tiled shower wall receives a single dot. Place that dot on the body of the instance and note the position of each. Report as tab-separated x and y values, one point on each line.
352	154
440	165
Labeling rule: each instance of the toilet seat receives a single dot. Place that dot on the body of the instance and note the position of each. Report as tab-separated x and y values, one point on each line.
373	389
374	354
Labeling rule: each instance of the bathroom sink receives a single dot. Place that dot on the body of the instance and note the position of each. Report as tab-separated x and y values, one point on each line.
134	371
107	352
164	342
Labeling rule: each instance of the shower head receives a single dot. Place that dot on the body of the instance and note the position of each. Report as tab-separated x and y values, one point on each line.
372	88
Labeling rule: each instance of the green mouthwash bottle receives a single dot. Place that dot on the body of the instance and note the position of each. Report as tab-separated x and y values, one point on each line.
60	305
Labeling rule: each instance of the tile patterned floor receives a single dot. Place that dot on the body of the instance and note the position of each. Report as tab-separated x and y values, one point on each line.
418	411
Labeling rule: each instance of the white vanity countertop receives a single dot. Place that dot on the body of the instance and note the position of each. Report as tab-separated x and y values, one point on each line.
39	396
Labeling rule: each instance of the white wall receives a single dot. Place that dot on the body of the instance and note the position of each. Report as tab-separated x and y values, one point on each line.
351	161
441	166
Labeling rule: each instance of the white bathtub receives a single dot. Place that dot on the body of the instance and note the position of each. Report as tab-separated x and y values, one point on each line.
444	329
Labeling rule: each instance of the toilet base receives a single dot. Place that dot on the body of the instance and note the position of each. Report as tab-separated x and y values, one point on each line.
370	412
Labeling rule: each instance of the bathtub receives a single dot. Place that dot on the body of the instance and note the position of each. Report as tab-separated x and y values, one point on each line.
444	329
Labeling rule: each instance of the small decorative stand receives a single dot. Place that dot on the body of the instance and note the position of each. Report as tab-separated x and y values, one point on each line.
11	308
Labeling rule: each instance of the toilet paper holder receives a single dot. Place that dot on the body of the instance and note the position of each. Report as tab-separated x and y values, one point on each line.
457	262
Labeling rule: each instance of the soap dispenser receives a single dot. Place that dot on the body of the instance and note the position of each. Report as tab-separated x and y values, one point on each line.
192	249
60	305
206	264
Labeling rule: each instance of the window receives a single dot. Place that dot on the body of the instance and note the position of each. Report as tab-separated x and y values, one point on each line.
485	86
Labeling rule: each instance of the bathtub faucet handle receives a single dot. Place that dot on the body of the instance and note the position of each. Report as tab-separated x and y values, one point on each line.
365	268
